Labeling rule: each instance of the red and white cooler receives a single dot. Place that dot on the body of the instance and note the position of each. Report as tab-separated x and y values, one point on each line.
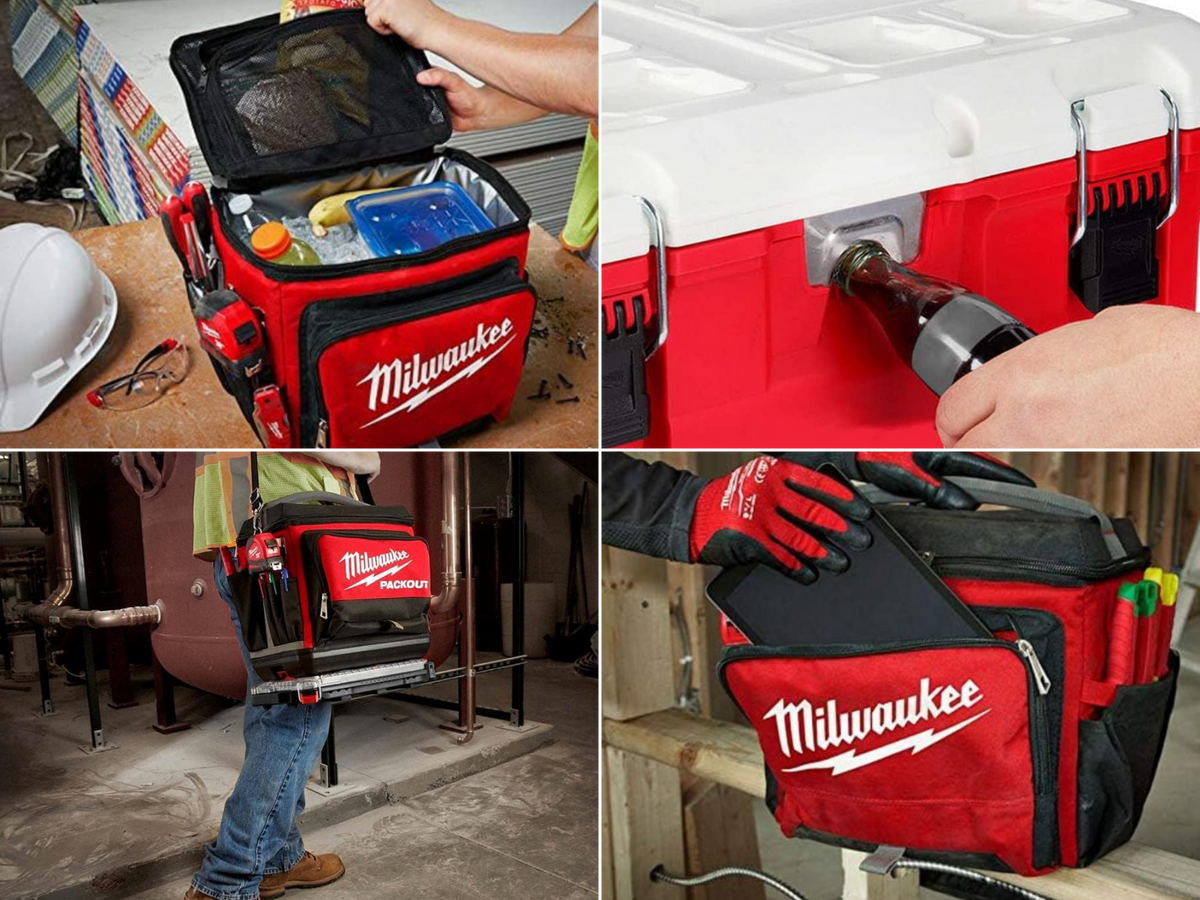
967	136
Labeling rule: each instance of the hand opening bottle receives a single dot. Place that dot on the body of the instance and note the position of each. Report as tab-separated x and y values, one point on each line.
941	330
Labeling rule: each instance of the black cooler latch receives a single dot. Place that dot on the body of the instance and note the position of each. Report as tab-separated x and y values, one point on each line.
625	408
1114	249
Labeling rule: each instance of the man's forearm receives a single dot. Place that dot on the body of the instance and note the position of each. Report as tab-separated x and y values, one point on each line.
554	72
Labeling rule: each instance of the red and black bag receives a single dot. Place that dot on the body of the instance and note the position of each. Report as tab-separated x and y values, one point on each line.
387	352
1008	753
356	592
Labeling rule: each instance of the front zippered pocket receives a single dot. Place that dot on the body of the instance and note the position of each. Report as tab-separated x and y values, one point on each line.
401	368
1031	569
365	581
863	740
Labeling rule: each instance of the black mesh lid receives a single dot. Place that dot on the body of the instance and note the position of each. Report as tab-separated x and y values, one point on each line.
321	93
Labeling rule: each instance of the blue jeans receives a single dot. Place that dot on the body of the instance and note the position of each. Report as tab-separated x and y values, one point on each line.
258	833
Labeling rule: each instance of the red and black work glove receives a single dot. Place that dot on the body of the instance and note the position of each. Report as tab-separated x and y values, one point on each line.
781	514
920	475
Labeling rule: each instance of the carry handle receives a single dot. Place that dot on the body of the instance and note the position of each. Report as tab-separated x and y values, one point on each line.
316	497
1018	496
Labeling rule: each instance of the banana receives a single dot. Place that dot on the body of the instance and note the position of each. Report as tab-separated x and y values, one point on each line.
332	210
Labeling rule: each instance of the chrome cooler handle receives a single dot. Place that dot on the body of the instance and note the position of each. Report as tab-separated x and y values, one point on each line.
1081	156
658	239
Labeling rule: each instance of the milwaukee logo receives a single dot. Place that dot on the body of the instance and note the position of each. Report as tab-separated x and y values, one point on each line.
416	380
369	565
736	496
805	729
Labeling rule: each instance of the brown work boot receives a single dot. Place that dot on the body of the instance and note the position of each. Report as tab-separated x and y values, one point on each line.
312	871
193	894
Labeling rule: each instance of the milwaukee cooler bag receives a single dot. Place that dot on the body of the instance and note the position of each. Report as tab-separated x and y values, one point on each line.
1009	752
352	587
390	351
1042	155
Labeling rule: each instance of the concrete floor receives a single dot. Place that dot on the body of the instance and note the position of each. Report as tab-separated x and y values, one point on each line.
1169	821
133	821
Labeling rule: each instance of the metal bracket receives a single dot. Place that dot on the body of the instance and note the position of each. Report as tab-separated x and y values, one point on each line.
658	239
1081	157
882	861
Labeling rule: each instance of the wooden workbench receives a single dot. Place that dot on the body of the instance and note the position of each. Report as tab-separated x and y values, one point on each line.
198	413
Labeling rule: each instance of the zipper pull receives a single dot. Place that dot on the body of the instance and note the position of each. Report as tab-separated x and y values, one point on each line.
324	606
1035	664
322	434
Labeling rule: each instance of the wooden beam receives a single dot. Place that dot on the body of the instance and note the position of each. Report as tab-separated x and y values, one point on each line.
718	830
729	754
638	672
718	751
645	819
1089	478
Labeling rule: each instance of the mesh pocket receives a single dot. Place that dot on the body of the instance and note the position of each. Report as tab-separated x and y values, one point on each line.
321	92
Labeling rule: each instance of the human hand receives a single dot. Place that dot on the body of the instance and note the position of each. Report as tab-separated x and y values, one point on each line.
471	108
413	20
918	474
780	514
1126	378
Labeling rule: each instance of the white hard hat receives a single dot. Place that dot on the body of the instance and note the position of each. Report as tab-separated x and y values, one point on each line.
56	311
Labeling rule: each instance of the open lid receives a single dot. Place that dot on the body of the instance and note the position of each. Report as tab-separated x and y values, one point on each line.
735	115
321	93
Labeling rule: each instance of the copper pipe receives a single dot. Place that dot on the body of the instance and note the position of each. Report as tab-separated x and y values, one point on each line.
466	686
52	611
62	538
447	599
70	617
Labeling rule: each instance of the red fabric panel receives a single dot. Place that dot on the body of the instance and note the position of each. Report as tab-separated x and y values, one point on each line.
930	749
359	568
406	383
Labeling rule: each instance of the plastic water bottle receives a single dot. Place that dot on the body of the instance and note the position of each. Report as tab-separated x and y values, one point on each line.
941	330
275	244
245	217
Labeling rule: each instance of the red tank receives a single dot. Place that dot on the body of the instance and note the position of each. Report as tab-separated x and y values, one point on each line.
195	641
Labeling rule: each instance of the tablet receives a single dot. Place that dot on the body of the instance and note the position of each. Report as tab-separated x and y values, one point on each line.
887	595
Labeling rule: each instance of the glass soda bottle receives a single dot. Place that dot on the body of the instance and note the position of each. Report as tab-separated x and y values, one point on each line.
940	329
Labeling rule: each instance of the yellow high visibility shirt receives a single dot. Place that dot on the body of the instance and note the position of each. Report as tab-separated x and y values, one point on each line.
583	218
222	500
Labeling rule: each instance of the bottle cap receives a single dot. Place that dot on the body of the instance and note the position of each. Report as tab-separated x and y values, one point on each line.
270	240
240	204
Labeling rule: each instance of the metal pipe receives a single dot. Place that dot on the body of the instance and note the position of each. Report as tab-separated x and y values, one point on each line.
518	613
466	687
447	598
70	617
62	540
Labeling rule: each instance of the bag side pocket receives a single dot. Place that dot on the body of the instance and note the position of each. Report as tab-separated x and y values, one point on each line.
1118	756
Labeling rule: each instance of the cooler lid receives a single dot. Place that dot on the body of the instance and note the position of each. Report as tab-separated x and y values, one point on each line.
734	115
320	93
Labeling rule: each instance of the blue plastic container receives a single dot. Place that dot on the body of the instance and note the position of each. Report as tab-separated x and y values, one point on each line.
413	219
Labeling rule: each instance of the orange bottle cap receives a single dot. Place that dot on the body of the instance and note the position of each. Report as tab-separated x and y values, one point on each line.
270	240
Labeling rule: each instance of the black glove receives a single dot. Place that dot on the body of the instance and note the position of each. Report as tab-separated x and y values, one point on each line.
920	475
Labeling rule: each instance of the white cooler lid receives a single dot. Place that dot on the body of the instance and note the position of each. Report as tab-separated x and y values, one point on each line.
733	115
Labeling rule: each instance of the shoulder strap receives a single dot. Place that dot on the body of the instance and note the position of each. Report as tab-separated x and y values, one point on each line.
256	502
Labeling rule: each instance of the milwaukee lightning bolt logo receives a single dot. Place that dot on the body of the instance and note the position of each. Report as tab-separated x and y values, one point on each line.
367	565
415	380
805	729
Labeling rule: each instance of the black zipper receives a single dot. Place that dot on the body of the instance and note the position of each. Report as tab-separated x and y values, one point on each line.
1041	738
316	514
1037	712
965	566
319	601
391	309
